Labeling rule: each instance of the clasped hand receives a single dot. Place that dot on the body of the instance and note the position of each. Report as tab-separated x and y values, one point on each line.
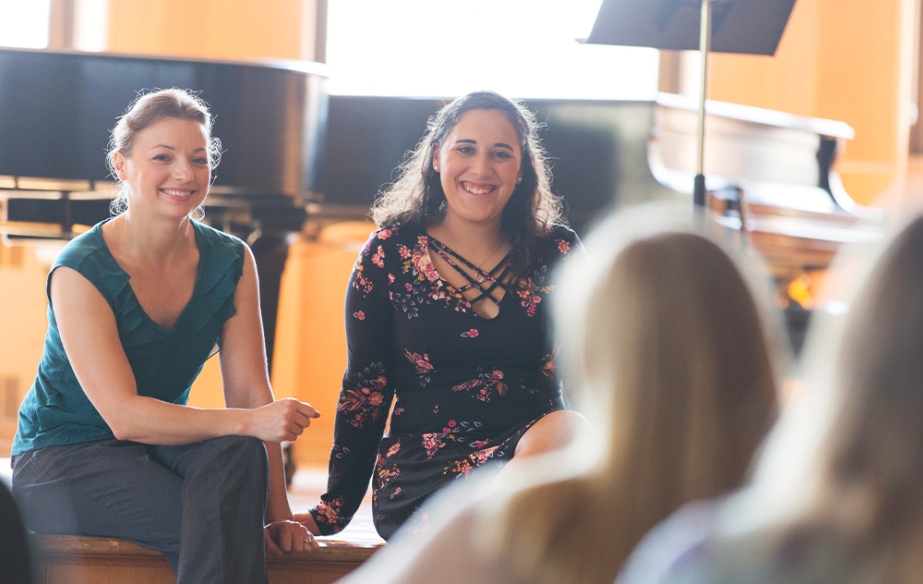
283	537
282	420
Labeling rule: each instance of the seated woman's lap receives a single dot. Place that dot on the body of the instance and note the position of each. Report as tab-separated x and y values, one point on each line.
122	489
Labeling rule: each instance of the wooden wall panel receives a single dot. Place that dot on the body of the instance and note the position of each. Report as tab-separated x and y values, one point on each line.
846	60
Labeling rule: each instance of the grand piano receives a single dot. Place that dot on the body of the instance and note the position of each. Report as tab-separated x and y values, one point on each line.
294	154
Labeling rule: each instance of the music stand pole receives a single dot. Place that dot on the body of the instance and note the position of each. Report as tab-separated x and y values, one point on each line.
699	193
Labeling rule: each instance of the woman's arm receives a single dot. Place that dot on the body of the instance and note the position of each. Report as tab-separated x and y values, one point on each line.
366	393
246	385
90	337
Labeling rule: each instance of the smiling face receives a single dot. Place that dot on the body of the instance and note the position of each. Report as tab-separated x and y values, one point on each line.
479	163
167	170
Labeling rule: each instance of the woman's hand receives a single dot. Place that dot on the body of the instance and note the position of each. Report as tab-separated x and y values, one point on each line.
281	421
283	537
307	520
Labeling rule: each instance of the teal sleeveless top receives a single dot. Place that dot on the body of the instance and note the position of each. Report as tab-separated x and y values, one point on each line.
56	411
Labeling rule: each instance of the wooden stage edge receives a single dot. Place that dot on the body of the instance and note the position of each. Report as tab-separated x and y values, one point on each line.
62	559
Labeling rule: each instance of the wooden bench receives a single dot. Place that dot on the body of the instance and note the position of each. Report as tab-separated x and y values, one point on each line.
66	559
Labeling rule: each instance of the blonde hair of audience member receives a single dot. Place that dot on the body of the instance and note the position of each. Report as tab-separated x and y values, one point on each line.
847	459
666	344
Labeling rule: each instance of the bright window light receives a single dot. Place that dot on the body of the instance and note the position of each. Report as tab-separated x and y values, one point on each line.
443	48
24	23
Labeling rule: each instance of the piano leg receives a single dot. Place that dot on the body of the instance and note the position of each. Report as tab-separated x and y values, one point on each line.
270	251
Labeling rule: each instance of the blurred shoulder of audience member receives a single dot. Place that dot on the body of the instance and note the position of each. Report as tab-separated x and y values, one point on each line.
836	493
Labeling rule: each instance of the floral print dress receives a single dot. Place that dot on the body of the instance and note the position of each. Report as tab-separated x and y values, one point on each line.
465	388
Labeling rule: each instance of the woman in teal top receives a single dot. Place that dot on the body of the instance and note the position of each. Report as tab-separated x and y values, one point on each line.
106	444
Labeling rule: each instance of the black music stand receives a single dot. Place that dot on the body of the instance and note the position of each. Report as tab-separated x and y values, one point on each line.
752	27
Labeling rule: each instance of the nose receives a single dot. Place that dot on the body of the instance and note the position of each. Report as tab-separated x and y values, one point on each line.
481	165
182	169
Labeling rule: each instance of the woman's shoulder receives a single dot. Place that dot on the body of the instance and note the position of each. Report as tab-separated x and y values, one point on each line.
216	239
696	545
222	254
560	231
394	235
558	240
89	244
679	540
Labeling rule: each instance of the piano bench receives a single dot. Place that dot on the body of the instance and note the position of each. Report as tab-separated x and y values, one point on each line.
69	559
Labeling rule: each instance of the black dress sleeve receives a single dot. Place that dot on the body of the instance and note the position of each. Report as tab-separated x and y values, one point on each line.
367	391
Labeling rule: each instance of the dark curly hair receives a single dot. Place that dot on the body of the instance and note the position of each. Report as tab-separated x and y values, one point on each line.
416	198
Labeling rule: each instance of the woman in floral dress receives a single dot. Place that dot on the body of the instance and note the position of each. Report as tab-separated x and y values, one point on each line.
446	318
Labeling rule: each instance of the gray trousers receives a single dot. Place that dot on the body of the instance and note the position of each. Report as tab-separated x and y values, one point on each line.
201	505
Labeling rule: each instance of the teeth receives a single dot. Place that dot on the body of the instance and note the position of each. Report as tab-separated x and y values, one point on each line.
477	191
174	193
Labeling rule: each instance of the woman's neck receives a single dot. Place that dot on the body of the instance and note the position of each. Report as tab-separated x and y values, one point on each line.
151	241
471	240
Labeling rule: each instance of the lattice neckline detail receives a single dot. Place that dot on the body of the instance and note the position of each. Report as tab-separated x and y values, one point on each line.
484	282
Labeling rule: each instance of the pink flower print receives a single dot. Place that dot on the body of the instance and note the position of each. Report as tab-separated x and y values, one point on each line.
421	362
361	282
390	279
398	411
403	251
396	492
481	456
408	286
432	442
363	399
359	315
563	246
384	234
462	468
483	387
470	334
329	512
527	296
366	284
422	262
452	423
379	258
395	448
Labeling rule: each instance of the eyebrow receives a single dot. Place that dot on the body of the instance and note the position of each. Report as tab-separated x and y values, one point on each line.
174	149
496	145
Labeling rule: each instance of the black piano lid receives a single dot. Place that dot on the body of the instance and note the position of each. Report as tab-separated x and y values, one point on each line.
58	107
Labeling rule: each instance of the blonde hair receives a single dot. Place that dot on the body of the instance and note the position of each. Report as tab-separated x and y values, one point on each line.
148	109
416	198
664	341
847	459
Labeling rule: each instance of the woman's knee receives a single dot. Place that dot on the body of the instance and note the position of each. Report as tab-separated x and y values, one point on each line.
245	451
552	431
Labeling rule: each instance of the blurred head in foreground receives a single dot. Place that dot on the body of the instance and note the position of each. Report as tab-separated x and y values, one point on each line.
666	353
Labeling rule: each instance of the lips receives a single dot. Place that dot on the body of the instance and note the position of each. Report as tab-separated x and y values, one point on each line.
477	189
178	193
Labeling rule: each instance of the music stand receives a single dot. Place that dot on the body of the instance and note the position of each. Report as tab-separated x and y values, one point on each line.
752	27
